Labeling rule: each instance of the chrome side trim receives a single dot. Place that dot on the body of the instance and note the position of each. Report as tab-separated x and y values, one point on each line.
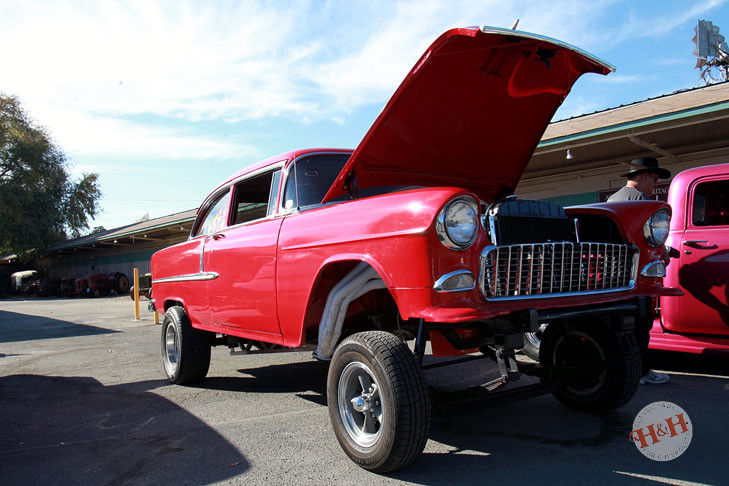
188	278
202	252
438	286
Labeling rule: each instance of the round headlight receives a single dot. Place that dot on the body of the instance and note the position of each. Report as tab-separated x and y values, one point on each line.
457	223
657	226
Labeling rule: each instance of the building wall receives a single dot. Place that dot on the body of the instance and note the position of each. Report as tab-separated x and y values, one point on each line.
81	263
84	265
584	187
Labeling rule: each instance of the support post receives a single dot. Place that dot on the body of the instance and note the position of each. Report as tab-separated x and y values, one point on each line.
136	294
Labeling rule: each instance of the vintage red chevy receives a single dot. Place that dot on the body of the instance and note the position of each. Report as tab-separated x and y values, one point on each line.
698	321
416	235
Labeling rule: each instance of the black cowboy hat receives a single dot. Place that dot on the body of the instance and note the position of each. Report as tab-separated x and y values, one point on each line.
646	164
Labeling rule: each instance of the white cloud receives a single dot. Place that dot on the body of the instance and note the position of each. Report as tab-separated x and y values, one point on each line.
92	71
372	71
234	61
87	71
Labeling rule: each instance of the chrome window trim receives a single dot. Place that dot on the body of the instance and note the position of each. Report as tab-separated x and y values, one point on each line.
192	277
257	172
227	188
438	285
208	204
246	223
286	173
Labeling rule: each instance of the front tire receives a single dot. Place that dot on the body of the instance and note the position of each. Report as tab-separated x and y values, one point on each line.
532	342
589	365
185	350
378	401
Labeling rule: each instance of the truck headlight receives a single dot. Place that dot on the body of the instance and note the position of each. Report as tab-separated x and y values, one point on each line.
457	223
657	226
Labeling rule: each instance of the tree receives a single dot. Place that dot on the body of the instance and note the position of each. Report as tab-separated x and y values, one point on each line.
39	202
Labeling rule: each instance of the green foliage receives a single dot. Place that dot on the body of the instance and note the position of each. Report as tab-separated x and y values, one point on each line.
39	202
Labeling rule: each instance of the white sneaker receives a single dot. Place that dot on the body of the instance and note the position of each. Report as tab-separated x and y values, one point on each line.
653	378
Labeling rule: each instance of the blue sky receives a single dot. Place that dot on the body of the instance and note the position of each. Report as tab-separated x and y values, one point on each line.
165	99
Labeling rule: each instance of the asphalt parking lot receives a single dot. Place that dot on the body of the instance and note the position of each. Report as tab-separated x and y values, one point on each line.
83	400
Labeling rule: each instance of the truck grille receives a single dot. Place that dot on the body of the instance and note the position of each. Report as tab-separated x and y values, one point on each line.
545	269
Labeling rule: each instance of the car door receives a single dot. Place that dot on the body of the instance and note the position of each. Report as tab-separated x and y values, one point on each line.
704	261
243	254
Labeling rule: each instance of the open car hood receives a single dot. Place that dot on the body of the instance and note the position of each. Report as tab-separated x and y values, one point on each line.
469	114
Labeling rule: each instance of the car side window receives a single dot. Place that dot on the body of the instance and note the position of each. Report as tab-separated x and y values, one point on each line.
215	218
711	204
253	197
310	179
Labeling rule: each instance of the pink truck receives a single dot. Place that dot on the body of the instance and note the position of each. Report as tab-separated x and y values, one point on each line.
698	321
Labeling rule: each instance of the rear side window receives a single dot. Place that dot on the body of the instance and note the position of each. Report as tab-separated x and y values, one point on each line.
215	217
311	179
711	204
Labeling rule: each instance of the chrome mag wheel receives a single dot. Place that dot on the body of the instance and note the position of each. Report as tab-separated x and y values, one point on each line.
360	404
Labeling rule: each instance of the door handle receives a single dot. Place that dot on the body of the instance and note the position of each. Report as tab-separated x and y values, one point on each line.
218	236
700	245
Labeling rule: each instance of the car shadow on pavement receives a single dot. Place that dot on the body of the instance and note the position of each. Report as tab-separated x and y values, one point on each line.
310	380
539	441
74	430
16	327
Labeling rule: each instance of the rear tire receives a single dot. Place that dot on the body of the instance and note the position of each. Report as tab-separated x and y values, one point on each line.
378	401
185	350
609	383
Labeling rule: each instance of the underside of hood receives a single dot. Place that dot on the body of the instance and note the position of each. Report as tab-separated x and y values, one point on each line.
469	114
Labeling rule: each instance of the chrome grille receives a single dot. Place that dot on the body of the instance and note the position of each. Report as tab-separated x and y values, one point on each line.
544	269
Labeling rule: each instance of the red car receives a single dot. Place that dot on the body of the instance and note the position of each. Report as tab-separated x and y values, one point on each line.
416	235
698	321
